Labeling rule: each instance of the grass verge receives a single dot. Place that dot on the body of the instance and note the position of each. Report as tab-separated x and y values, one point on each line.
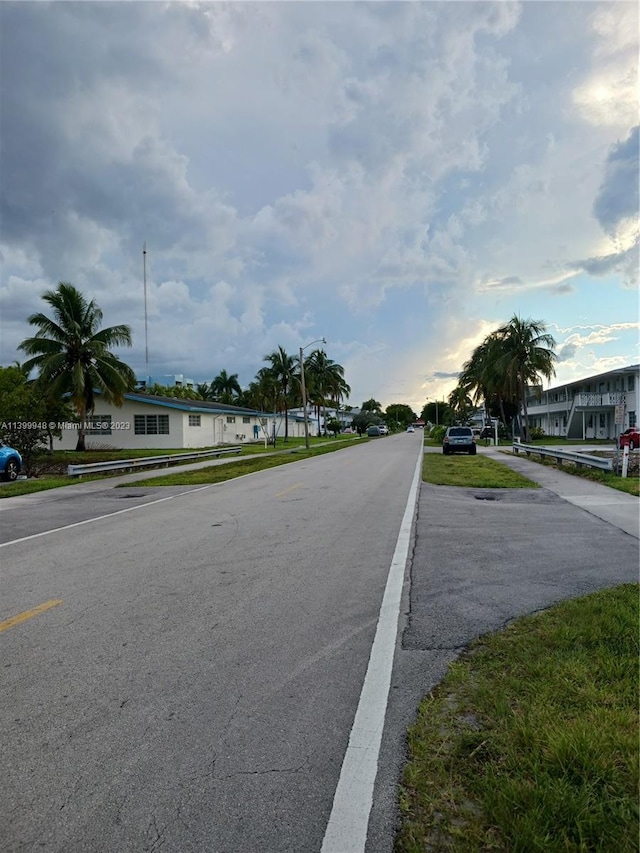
230	470
53	477
630	484
530	743
471	471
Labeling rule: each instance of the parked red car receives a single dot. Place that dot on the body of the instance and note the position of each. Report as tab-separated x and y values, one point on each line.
631	437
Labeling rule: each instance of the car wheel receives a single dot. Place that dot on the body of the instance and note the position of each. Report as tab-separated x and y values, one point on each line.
472	452
445	450
11	470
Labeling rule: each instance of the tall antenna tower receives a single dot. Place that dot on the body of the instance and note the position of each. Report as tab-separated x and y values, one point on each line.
146	328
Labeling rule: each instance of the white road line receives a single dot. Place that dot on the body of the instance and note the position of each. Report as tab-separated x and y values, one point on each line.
347	828
100	517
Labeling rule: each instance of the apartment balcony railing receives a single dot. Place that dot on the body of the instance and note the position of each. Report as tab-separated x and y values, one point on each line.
599	401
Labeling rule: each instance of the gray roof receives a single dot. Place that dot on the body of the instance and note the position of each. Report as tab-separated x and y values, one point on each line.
195	406
630	368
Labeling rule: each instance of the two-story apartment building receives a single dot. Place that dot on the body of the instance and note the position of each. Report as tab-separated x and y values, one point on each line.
586	408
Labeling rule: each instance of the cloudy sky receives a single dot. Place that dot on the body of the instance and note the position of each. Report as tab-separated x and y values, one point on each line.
400	178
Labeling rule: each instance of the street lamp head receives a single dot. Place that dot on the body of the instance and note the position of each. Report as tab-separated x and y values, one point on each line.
317	341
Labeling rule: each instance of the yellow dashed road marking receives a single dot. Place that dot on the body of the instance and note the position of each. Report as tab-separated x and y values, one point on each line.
290	489
22	617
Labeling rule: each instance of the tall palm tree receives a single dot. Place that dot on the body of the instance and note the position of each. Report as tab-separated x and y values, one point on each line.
72	354
483	378
225	387
460	402
284	371
262	393
326	380
527	354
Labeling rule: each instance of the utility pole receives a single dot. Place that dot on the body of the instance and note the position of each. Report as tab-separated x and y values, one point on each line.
146	330
304	390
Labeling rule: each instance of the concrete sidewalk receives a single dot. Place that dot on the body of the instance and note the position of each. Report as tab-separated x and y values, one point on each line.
617	508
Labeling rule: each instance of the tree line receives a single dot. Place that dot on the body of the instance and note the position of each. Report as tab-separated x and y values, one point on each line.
73	357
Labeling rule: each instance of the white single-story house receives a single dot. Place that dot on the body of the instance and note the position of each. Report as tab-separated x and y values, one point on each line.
317	421
152	421
587	408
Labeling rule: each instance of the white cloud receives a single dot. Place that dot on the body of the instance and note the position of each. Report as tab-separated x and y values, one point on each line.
383	174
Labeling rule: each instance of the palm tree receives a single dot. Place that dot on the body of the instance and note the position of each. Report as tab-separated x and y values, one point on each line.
72	353
460	403
483	378
371	405
283	370
325	379
225	388
203	391
527	354
263	393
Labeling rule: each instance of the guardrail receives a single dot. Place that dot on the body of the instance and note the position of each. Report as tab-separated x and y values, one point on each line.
147	461
560	456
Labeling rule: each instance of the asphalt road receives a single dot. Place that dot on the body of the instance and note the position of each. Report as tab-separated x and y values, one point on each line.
195	688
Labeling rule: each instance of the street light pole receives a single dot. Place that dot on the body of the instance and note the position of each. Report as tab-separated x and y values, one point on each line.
304	390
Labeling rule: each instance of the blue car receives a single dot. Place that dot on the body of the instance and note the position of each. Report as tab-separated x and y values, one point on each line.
10	462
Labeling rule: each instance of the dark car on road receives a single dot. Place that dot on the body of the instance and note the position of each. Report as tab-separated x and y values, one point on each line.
10	462
459	439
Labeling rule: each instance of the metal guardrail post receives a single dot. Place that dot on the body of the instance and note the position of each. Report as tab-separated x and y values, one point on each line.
580	459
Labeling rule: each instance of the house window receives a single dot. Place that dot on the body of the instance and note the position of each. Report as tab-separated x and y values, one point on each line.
630	383
632	419
101	425
151	424
231	419
603	420
194	420
246	420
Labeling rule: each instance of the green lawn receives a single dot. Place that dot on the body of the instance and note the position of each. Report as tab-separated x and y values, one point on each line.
471	471
221	473
53	474
530	743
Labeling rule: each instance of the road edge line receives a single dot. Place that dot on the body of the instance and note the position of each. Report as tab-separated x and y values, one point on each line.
346	830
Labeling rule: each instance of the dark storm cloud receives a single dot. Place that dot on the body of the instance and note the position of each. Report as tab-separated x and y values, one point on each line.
624	263
566	352
618	196
73	141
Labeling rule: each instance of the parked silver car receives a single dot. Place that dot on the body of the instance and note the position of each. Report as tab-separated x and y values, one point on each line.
459	439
